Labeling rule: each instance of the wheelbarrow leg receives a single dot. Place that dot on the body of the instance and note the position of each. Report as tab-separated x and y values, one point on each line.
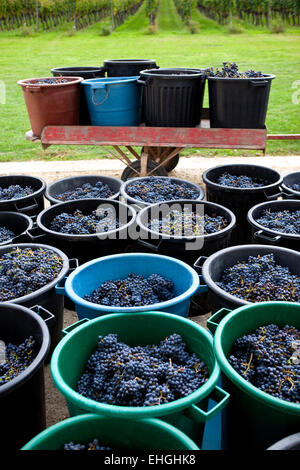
144	161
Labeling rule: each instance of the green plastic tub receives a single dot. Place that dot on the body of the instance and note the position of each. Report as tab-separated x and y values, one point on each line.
253	419
188	414
119	434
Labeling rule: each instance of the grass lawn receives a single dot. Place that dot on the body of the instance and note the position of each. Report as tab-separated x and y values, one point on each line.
172	46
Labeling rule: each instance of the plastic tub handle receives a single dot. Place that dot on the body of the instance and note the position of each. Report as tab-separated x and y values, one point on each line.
215	319
259	83
35	233
60	286
150	246
27	208
75	325
288	195
101	86
198	265
202	287
273	197
261	235
47	316
217	394
141	81
33	88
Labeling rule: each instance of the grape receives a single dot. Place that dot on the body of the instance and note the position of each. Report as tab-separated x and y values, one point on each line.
240	181
123	375
269	359
231	70
188	223
17	359
284	221
6	234
260	279
158	189
87	190
24	270
15	191
133	291
94	445
100	220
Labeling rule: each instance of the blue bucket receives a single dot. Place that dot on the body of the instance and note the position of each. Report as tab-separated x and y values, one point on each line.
88	277
114	101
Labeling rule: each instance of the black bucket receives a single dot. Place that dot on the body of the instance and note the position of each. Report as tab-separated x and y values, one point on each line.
127	67
291	442
262	234
181	247
18	224
240	200
173	97
85	247
239	103
46	296
177	245
30	205
86	73
289	180
214	266
22	400
68	184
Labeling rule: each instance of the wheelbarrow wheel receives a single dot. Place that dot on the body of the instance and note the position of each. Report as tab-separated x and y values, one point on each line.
171	164
129	172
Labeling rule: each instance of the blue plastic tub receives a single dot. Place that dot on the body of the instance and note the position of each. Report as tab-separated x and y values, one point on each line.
114	101
86	278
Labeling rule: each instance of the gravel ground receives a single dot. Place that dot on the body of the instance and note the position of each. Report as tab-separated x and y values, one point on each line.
189	168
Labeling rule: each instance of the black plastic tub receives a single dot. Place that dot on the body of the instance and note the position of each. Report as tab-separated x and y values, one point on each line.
18	224
288	180
46	296
72	182
173	97
291	442
240	200
262	234
140	204
186	249
30	205
85	247
127	67
239	103
178	246
22	400
86	73
214	266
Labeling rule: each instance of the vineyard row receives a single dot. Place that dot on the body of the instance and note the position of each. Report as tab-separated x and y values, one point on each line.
52	13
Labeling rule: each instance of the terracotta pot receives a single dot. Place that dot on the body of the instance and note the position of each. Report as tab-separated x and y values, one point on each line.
51	104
